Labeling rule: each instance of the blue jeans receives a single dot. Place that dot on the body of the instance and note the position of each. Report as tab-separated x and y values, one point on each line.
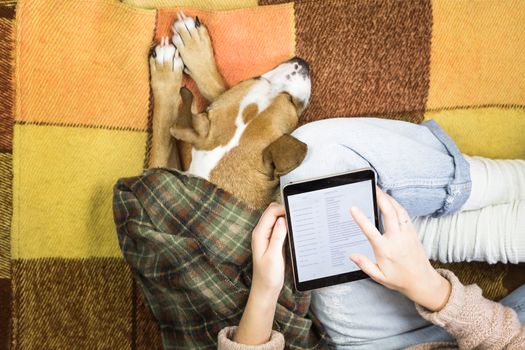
365	315
418	165
421	167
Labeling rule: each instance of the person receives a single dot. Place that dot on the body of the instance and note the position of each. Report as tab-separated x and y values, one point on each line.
402	266
463	208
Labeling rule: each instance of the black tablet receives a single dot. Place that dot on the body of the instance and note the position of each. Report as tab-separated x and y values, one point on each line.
322	233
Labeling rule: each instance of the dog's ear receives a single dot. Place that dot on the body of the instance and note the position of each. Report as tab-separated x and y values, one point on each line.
283	155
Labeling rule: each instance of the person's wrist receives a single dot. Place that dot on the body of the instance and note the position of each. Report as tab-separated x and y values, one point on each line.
255	327
264	295
431	292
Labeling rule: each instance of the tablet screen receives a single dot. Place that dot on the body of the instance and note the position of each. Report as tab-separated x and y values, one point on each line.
325	233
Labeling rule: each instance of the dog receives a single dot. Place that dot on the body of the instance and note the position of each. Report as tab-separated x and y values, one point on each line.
241	143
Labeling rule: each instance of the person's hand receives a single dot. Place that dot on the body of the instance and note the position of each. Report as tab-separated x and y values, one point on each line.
401	264
268	237
267	250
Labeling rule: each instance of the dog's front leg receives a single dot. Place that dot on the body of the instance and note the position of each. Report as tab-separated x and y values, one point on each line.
166	78
194	44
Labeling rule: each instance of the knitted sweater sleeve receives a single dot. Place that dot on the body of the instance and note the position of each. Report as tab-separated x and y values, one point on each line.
225	341
474	321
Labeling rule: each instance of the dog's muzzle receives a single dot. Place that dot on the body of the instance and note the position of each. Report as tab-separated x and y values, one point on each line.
292	77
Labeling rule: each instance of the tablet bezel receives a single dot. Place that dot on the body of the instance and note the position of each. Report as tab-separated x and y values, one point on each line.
319	183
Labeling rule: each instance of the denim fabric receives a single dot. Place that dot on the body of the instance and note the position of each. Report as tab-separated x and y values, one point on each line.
419	165
365	315
459	188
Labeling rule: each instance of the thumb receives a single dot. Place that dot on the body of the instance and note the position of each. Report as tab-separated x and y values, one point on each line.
278	235
368	267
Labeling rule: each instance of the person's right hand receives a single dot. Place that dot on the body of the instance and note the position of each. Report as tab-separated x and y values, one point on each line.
268	238
267	251
401	262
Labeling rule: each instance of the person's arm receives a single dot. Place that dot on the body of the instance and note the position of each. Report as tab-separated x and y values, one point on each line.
401	264
255	328
475	321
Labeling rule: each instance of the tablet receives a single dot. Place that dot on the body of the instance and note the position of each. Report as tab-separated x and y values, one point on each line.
322	233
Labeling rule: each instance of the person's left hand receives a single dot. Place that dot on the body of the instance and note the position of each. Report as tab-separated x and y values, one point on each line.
268	253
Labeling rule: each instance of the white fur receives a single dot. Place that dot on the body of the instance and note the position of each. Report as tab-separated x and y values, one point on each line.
287	78
166	52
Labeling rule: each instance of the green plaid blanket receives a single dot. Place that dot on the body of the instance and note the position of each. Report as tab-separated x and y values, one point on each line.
188	243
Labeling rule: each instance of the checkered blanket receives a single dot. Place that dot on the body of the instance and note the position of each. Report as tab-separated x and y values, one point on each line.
75	116
188	243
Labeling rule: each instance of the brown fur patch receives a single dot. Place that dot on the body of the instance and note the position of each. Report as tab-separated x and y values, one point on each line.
242	170
249	112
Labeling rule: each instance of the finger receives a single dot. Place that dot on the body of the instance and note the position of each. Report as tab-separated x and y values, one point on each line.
263	230
259	242
278	235
270	216
389	212
368	267
402	214
368	228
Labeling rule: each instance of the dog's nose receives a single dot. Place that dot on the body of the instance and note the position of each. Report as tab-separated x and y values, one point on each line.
300	66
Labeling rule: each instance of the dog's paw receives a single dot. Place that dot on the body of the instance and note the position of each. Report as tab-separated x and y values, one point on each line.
192	40
166	68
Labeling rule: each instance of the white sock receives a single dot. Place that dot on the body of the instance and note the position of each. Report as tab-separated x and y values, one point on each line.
495	181
492	234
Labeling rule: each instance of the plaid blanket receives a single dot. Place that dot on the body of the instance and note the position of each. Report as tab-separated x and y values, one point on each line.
188	243
75	116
